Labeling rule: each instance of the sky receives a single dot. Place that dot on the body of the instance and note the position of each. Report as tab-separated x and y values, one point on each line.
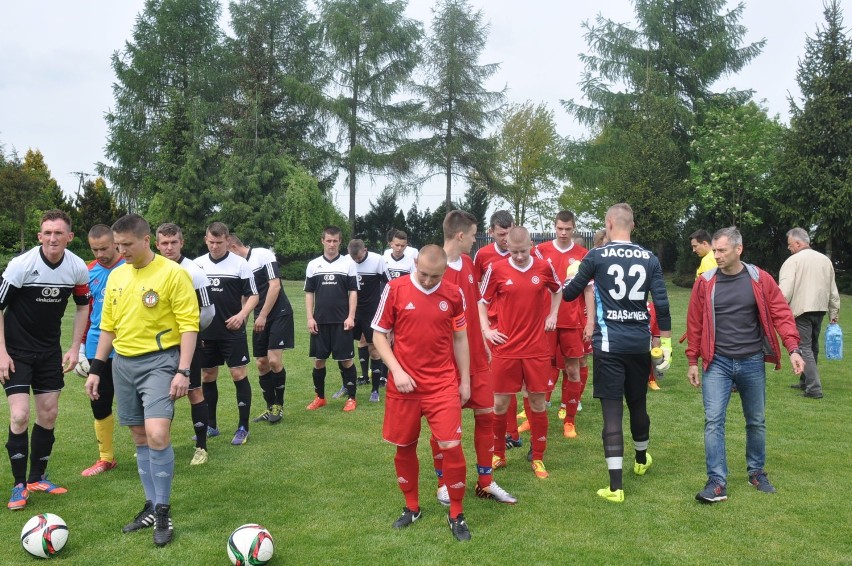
56	79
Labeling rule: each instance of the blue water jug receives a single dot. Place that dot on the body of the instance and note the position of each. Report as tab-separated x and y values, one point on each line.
834	342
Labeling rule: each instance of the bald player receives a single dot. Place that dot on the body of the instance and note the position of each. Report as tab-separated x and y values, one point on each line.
431	382
520	291
624	273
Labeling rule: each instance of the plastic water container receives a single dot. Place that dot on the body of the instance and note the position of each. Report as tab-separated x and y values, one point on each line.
834	342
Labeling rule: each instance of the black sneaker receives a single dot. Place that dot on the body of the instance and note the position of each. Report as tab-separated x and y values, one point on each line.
362	380
712	492
512	443
759	480
458	527
800	386
143	519
408	516
164	531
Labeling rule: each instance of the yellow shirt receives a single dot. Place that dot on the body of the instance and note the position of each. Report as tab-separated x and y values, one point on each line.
148	309
708	262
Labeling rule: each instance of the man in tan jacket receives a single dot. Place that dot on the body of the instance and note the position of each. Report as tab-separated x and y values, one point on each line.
807	282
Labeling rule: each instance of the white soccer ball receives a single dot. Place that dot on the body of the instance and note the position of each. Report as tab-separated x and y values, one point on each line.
250	545
82	367
44	535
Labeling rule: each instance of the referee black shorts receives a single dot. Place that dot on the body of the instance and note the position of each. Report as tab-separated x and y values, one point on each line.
332	340
619	376
279	334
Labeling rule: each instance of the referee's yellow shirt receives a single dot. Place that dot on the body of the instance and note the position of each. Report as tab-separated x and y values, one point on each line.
147	309
708	262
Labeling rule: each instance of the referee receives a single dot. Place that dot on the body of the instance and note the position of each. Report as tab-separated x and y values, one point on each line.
150	317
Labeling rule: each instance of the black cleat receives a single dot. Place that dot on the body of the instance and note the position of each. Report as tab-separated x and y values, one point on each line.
458	527
143	519
164	531
408	516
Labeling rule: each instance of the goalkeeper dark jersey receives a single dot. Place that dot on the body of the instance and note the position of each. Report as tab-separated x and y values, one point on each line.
623	273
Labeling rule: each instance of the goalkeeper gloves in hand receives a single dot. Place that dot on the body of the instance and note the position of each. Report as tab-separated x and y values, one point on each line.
82	367
666	347
573	268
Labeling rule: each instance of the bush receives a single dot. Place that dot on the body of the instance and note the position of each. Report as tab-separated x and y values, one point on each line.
293	270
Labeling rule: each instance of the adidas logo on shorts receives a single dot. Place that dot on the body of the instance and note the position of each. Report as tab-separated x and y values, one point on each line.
245	359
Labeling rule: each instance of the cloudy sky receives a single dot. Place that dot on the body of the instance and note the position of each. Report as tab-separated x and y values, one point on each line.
55	75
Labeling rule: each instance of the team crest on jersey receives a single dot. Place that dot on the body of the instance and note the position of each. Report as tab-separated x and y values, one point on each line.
535	280
470	278
150	299
443	305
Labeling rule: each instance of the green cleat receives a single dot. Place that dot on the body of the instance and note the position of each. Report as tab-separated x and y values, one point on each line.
616	496
640	469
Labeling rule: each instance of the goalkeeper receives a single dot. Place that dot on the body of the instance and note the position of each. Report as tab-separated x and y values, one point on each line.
623	273
106	260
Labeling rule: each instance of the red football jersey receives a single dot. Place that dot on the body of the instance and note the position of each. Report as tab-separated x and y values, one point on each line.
571	313
461	273
423	323
655	328
485	257
522	299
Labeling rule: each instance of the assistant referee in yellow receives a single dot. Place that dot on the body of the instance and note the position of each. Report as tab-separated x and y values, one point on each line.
150	317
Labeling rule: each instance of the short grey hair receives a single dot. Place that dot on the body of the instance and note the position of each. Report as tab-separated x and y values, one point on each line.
731	232
355	246
799	234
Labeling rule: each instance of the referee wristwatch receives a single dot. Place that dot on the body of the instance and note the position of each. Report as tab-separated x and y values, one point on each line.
184	371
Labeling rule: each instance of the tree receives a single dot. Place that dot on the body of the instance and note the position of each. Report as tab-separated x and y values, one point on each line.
644	86
457	106
372	48
476	201
383	215
94	205
20	190
817	157
162	131
528	156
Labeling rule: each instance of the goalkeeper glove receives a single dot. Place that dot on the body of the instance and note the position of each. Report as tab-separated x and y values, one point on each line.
82	367
573	268
666	347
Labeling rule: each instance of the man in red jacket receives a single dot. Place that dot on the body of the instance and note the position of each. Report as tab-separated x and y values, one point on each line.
734	313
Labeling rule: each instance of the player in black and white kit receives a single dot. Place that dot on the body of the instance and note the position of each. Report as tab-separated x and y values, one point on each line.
34	291
273	327
233	292
400	257
624	273
170	245
372	277
331	295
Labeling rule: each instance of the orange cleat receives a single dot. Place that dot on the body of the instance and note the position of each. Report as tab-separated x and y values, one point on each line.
316	404
351	405
569	430
99	467
497	462
538	469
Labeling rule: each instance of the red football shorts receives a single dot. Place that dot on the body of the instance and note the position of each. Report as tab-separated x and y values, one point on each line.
511	373
403	416
570	342
481	391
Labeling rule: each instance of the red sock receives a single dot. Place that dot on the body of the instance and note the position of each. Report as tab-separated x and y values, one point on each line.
572	396
498	432
407	474
455	472
538	434
584	377
511	419
437	460
484	442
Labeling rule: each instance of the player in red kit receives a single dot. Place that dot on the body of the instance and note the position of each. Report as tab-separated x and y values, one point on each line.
567	340
431	382
459	236
519	289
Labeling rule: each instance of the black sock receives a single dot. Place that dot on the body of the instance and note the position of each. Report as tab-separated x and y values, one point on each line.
200	417
243	401
376	374
268	389
279	382
319	382
642	456
41	445
615	481
211	395
18	447
364	358
613	437
350	378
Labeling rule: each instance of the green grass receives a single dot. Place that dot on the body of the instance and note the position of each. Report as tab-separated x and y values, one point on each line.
323	483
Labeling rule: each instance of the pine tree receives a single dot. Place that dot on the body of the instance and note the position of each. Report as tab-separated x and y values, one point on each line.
372	49
457	106
817	157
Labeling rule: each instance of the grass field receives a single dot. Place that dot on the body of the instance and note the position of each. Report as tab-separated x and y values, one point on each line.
323	483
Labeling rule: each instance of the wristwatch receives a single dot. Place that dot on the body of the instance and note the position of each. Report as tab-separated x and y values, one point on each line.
184	371
795	351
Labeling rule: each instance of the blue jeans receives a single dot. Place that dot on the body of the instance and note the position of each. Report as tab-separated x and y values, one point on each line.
749	375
